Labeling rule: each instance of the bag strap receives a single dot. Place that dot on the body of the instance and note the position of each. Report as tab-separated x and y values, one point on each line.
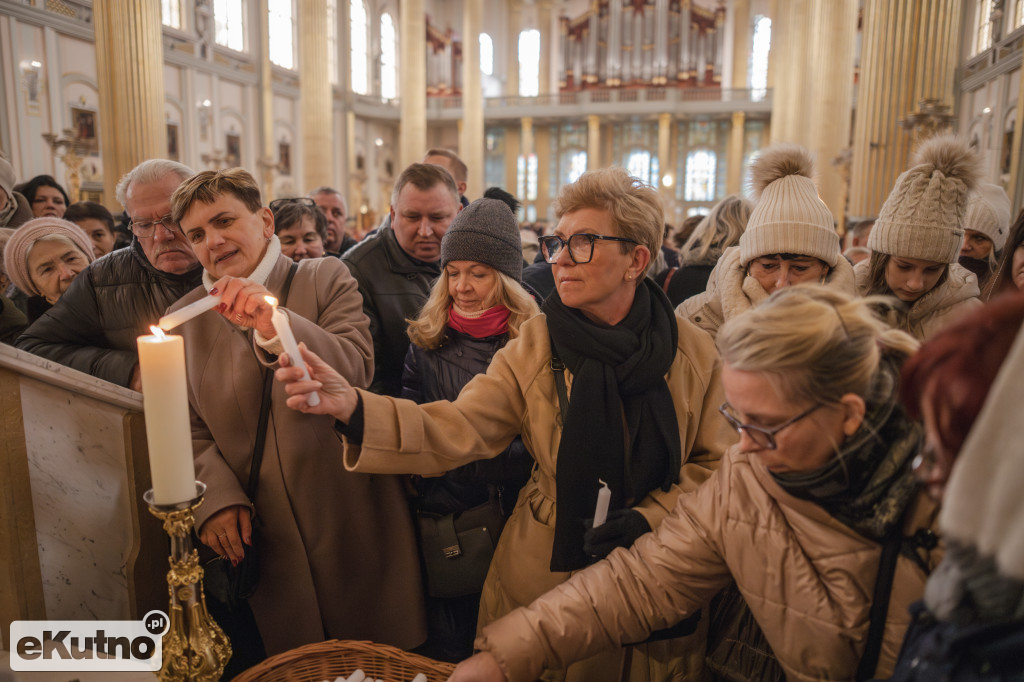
558	369
261	426
880	605
668	278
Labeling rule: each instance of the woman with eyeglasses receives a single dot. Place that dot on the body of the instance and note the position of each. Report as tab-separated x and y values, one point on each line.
790	238
608	385
301	227
815	513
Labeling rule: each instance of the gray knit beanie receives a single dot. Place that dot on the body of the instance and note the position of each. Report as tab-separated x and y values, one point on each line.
789	216
923	216
988	212
485	232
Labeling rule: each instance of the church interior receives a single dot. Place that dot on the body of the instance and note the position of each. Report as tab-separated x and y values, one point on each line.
684	94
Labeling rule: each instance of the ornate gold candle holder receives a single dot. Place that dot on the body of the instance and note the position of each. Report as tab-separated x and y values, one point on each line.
194	647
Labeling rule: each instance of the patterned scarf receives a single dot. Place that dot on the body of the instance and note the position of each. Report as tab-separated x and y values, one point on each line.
869	483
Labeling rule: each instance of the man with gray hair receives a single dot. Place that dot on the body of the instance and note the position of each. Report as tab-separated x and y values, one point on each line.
94	325
334	208
396	266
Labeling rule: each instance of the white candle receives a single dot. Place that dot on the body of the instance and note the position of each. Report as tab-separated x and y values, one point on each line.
165	403
604	497
172	320
284	332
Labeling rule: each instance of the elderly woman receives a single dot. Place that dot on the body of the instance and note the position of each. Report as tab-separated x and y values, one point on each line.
337	550
608	385
42	257
474	308
916	241
301	227
790	239
45	196
813	512
970	624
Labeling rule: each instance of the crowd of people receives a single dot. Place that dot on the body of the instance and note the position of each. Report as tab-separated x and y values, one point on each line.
603	449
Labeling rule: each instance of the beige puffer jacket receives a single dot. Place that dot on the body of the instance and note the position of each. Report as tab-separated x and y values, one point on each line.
732	292
517	395
957	295
807	578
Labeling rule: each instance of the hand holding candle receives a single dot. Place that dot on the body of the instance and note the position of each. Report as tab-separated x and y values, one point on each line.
284	333
604	498
172	320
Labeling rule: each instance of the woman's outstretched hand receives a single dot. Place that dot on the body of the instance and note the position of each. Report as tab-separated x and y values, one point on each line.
337	397
482	667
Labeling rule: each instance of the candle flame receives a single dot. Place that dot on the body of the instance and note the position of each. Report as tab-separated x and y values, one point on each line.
157	332
271	300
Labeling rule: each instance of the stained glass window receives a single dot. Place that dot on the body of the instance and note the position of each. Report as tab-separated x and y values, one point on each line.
282	33
388	58
360	60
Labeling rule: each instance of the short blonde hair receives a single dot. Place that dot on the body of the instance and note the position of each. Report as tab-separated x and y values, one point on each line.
429	328
817	344
721	228
207	186
635	207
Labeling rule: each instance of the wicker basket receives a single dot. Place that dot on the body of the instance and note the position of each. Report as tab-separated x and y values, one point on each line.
341	658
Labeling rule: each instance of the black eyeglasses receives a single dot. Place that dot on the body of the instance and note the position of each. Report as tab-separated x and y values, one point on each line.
144	228
302	201
581	246
762	437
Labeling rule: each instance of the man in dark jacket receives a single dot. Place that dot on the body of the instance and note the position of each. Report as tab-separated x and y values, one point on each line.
94	326
397	265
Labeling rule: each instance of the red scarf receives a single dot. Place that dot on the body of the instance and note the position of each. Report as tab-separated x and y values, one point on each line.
490	322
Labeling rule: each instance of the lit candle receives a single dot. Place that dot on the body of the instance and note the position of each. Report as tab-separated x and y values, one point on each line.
182	315
604	497
165	403
284	332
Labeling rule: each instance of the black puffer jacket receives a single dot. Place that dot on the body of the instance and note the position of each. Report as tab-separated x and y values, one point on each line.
440	374
94	324
394	286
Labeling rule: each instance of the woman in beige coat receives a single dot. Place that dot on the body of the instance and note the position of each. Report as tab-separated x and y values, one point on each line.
798	514
790	238
916	241
337	550
642	386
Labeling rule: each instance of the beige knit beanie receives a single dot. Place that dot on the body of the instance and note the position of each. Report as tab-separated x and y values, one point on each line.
20	243
988	212
923	216
789	217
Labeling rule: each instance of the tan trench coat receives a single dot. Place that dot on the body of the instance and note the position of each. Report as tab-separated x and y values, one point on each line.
338	555
517	395
807	578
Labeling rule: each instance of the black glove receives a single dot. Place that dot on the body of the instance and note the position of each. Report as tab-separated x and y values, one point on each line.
621	529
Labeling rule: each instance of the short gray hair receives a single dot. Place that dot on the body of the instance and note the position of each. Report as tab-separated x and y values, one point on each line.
150	170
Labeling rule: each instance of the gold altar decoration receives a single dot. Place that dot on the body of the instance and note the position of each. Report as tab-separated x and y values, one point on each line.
194	646
71	150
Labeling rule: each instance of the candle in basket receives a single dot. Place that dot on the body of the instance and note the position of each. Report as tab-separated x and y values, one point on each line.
165	403
284	332
604	497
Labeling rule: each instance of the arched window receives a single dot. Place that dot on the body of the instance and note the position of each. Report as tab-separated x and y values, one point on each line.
701	165
229	30
641	164
757	70
529	63
282	33
486	54
170	13
332	41
983	24
388	58
360	43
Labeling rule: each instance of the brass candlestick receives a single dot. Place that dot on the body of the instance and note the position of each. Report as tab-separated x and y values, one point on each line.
194	647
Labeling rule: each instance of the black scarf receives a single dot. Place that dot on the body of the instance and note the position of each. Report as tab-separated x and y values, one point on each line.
618	377
869	483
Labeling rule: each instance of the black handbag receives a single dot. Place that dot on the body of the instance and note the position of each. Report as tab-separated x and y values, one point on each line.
457	548
229	584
